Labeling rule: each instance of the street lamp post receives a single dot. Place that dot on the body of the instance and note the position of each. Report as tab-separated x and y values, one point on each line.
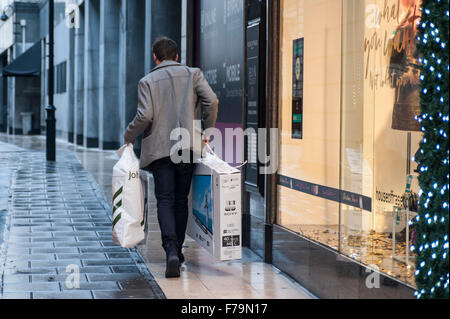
51	120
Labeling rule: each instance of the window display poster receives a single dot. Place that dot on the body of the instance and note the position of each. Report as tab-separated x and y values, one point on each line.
251	171
297	89
315	29
392	95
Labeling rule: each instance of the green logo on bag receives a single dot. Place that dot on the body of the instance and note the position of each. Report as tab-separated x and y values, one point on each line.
117	205
133	175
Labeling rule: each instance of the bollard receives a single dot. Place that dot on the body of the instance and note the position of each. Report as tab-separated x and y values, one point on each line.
51	135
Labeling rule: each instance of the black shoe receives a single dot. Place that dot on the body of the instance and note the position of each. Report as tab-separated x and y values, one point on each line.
173	267
181	257
173	262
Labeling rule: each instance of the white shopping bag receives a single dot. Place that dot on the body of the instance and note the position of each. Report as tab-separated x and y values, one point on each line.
128	200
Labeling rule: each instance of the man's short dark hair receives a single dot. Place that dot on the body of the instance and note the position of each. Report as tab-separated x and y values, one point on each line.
165	49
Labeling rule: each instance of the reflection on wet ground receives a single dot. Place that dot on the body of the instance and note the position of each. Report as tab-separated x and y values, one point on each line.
99	163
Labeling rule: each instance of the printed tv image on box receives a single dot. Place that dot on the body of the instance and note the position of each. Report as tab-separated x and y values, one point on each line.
202	205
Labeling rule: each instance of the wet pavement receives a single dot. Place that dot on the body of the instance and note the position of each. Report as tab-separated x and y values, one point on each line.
201	275
55	233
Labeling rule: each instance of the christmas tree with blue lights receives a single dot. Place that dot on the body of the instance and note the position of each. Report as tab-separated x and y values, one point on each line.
431	224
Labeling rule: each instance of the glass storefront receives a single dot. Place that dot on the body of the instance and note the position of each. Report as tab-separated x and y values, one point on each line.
349	94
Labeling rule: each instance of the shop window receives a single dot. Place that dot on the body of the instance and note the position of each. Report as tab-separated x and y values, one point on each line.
380	99
61	78
309	119
349	94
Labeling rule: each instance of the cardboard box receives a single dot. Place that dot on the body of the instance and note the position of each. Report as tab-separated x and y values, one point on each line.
215	219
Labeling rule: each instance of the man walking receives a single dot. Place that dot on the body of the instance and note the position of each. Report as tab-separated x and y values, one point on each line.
169	98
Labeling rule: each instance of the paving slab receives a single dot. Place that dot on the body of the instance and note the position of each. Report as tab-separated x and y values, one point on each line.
54	278
117	277
29	287
124	294
72	294
109	262
97	286
16	295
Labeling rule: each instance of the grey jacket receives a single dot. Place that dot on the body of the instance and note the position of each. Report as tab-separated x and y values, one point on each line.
171	97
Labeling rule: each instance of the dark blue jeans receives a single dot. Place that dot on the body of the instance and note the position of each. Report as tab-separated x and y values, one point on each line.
172	186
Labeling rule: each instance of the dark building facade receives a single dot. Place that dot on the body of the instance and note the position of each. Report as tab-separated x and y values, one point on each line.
20	92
